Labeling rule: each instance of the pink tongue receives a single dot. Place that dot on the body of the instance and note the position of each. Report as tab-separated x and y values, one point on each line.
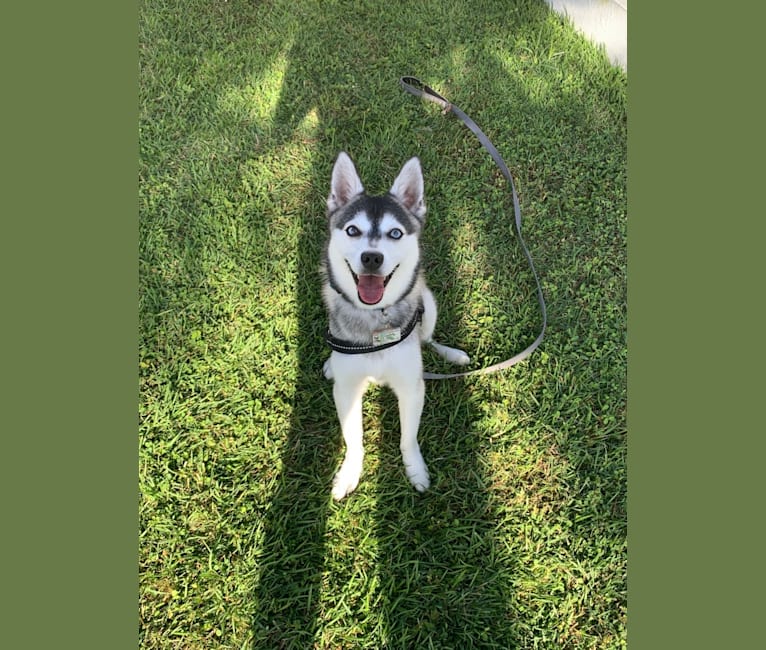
370	288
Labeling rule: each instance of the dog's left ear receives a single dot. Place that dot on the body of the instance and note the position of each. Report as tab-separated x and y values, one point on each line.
408	188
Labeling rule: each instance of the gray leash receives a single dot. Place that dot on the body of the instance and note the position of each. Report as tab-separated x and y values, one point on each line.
414	86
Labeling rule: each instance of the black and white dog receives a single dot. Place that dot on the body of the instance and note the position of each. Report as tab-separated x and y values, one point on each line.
380	310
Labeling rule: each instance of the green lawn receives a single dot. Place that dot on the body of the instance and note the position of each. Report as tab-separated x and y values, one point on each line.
521	540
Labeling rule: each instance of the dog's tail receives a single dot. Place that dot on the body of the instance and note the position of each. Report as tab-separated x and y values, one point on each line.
453	355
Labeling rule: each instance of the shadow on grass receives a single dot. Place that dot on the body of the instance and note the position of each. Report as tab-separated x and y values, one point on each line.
421	596
439	575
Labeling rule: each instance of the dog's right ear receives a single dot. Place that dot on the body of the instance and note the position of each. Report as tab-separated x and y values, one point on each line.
345	183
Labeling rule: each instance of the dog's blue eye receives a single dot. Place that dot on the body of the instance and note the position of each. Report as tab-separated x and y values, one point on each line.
395	233
353	231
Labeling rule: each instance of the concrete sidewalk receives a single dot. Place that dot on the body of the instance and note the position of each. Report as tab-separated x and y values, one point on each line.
602	21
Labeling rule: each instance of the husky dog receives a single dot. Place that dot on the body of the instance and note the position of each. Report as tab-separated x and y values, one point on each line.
380	310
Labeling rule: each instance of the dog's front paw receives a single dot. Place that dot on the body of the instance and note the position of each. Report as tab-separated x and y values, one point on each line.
453	355
346	480
461	358
327	370
417	473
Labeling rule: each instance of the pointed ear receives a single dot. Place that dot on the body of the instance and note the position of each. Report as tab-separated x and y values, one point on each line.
408	187
345	183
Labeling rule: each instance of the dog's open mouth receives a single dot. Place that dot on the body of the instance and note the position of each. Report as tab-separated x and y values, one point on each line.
370	288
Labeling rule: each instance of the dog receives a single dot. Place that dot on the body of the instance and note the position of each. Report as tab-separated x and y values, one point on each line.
379	309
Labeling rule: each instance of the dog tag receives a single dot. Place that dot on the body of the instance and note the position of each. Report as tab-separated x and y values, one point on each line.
381	337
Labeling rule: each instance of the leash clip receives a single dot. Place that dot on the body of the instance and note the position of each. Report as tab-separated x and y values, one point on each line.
416	87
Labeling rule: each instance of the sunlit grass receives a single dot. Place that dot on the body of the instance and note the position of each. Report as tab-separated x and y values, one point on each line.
521	540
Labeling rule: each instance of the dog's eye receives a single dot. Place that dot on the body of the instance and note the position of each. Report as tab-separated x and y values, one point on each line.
395	233
353	231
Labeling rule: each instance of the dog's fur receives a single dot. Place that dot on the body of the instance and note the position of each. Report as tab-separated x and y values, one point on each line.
373	281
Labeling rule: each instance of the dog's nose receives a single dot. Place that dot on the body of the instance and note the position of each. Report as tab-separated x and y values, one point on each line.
372	260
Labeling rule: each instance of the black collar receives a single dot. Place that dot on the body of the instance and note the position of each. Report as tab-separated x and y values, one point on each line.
388	338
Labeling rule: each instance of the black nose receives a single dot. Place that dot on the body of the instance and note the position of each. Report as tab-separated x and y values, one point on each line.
372	260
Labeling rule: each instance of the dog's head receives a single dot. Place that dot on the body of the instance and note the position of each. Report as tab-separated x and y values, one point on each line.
373	257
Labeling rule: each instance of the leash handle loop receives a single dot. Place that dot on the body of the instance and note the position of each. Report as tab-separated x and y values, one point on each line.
416	87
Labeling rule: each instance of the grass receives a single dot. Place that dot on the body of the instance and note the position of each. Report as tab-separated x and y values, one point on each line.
521	540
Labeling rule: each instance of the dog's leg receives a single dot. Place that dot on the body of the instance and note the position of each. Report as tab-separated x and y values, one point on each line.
348	393
453	355
410	396
327	370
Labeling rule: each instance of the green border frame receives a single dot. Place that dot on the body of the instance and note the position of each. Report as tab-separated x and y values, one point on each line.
693	501
70	280
70	240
